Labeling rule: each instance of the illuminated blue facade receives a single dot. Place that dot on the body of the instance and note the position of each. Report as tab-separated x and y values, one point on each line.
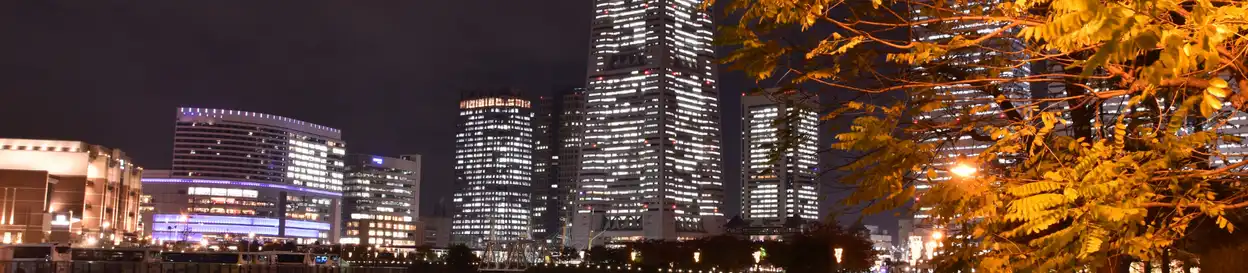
242	173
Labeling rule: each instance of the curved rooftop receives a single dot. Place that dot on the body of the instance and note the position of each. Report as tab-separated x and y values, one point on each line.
261	118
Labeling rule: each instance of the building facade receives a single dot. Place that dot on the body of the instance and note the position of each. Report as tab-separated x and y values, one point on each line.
960	100
652	164
248	174
493	168
68	192
559	124
381	202
780	139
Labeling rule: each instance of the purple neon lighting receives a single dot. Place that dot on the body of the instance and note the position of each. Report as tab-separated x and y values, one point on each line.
215	219
206	228
299	232
238	183
307	224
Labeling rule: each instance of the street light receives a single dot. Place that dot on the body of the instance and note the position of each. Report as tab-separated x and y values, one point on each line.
963	169
837	252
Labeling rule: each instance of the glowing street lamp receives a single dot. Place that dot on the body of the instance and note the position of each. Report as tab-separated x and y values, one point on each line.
697	256
633	256
837	252
758	256
963	170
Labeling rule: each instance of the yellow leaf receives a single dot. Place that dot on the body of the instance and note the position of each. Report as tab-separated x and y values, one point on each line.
1217	82
1216	91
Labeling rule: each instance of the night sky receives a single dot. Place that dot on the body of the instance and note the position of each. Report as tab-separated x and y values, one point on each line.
386	72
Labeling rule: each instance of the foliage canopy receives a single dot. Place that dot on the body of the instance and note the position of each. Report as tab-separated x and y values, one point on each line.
1104	131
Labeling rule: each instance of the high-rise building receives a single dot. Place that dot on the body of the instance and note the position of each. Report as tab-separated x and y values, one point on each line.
493	168
247	173
67	191
559	124
962	99
651	159
779	146
381	201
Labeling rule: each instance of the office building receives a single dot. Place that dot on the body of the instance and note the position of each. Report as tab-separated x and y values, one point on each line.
67	192
779	140
882	243
248	174
381	202
651	159
493	168
438	226
559	124
962	98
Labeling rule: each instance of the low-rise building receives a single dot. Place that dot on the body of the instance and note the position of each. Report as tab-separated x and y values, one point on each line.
67	191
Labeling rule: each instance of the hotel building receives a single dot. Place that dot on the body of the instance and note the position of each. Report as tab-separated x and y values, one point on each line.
248	174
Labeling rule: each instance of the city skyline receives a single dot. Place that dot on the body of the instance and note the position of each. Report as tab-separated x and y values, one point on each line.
365	74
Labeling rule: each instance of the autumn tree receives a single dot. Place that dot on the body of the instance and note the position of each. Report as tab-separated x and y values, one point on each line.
1103	131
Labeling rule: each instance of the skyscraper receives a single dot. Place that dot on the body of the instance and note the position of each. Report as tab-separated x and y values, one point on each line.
960	100
772	191
381	201
651	159
559	125
244	173
493	168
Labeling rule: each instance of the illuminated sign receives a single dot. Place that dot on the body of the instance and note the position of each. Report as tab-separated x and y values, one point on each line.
378	160
493	102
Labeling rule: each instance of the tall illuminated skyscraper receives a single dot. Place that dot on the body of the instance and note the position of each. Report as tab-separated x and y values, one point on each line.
651	160
493	168
966	63
992	58
772	191
559	125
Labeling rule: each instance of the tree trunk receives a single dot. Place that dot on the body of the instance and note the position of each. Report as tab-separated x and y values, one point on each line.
1165	260
1116	264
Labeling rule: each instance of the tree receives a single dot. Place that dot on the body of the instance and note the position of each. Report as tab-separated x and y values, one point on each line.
1130	149
726	252
814	250
459	259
